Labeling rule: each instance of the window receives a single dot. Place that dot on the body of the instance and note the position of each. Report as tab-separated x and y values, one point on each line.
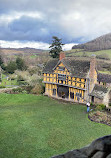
62	77
78	95
61	68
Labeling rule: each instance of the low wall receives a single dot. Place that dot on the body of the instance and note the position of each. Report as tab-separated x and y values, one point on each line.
6	90
100	148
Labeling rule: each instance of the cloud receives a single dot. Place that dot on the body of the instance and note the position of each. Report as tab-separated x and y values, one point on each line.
31	44
23	44
75	21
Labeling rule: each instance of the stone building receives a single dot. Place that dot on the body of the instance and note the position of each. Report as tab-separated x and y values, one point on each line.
101	92
76	80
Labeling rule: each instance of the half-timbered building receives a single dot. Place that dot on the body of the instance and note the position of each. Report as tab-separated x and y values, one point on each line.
72	80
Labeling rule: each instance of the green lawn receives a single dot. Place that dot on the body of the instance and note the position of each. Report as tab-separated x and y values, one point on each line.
38	127
6	83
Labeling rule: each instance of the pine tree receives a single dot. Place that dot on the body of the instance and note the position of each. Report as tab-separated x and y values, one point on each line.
56	47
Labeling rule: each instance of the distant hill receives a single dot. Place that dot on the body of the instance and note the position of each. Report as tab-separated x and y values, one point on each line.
100	43
26	51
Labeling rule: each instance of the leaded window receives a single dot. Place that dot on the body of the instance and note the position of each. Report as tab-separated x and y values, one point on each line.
61	68
61	77
78	95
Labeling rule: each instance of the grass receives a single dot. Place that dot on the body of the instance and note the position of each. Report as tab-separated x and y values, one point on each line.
37	126
79	52
6	82
105	72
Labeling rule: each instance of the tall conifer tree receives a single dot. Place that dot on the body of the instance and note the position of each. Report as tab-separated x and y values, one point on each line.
56	47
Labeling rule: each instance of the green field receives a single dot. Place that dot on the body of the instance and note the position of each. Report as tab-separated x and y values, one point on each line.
39	127
80	52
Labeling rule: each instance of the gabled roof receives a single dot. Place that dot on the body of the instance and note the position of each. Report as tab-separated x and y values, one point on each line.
77	68
99	91
104	78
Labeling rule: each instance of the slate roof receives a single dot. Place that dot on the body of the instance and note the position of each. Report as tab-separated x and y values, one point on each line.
99	91
77	68
50	65
104	78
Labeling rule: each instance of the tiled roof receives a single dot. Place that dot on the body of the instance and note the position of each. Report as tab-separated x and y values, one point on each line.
104	78
77	68
50	65
99	91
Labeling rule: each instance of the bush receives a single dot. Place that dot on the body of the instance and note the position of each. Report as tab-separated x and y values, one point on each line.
33	70
19	90
2	87
38	89
20	78
100	107
91	104
27	88
21	83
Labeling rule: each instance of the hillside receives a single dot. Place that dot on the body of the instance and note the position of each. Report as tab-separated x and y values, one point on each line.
25	51
100	43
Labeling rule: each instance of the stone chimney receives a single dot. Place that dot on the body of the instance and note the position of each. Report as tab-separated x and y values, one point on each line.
62	55
92	67
92	73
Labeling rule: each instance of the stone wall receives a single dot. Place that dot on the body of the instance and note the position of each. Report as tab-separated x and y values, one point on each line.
106	99
100	148
7	90
98	101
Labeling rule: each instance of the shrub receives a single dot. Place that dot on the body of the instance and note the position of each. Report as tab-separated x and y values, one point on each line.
34	79
27	88
38	89
13	76
33	70
2	86
91	104
20	78
100	107
19	90
21	83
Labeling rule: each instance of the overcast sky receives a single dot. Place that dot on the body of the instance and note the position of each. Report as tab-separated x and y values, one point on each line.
32	23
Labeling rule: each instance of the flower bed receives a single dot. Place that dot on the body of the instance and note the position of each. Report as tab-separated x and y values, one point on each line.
100	117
